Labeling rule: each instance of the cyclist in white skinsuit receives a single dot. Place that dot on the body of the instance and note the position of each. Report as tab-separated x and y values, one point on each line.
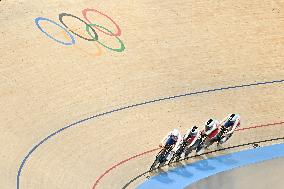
229	124
192	135
193	139
210	126
172	139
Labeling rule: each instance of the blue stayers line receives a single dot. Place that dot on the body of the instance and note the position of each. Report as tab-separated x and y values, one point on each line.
132	106
184	176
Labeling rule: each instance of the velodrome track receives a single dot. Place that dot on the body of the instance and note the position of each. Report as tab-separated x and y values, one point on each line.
69	113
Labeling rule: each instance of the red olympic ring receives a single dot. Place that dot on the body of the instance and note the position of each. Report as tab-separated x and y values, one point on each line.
118	32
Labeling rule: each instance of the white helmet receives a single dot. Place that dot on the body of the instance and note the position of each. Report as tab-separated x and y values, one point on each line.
175	132
232	118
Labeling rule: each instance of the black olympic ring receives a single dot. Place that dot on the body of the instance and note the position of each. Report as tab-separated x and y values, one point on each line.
95	38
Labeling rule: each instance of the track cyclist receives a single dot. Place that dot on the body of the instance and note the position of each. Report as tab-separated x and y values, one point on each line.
229	125
211	127
210	134
193	139
171	141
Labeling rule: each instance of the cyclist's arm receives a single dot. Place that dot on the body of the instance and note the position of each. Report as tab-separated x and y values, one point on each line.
186	135
224	120
179	141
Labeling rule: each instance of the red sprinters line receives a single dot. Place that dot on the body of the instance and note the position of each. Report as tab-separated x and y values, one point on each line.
120	163
259	126
149	151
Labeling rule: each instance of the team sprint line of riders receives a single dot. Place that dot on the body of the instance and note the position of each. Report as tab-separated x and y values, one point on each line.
174	146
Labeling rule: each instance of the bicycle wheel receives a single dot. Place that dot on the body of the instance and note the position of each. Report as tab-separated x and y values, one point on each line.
153	166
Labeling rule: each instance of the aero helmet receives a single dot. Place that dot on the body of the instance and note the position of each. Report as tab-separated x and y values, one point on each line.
193	131
209	124
175	132
232	118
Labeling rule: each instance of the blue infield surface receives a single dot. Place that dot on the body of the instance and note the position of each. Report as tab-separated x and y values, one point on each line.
181	177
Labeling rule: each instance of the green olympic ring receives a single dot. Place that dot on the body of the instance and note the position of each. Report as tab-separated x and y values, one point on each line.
122	47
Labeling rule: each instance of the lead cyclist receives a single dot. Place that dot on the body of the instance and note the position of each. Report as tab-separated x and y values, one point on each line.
228	126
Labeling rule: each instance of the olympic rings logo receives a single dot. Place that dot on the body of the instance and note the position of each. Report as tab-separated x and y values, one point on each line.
90	28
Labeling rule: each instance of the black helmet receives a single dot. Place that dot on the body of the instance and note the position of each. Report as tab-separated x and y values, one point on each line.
232	117
209	124
193	131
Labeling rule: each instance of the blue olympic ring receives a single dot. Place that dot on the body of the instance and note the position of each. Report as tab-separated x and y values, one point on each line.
62	42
